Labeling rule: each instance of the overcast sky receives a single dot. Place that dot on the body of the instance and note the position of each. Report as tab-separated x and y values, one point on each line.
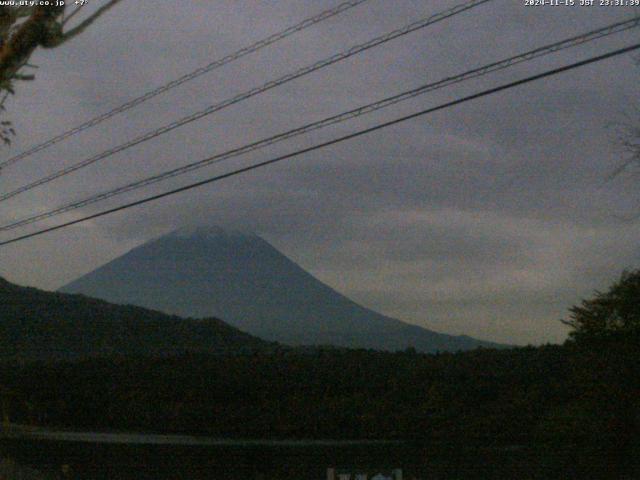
489	219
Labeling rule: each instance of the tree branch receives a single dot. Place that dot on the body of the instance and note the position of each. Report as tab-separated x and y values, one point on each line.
84	25
33	32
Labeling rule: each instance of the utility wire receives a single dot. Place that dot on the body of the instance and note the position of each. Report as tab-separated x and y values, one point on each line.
366	109
343	7
425	22
334	141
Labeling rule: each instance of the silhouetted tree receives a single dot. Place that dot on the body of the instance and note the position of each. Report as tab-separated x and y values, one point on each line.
614	313
23	29
605	408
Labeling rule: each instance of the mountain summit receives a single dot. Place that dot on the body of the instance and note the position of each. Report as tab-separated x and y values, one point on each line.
241	278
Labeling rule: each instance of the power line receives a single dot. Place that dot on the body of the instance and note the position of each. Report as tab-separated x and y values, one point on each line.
359	133
332	120
425	22
308	22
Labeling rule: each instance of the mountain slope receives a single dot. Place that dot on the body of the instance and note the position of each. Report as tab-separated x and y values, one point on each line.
247	282
39	325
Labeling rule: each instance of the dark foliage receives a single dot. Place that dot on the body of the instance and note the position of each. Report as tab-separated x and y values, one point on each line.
615	313
497	395
38	325
576	406
569	403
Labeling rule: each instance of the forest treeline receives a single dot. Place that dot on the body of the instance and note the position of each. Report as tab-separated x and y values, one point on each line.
583	395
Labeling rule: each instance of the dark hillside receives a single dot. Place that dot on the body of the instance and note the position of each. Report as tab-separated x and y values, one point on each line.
39	325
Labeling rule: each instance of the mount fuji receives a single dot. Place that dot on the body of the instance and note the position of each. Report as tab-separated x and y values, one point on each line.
242	279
